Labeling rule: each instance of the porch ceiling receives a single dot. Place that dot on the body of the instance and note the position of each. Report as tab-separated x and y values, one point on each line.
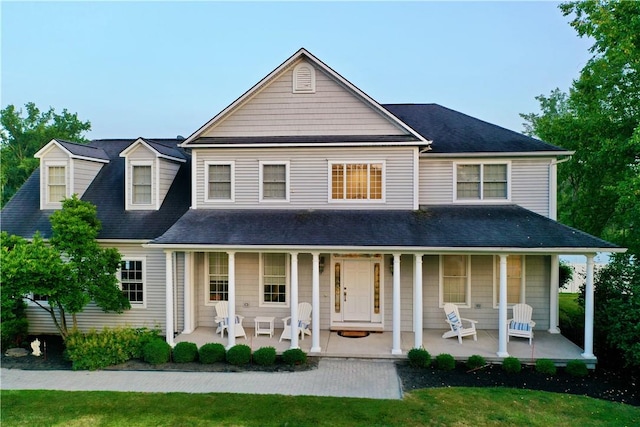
442	227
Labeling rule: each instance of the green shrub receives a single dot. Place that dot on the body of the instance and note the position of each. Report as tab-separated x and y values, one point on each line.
545	366
419	357
294	356
476	361
156	352
14	333
212	353
511	365
445	362
265	356
185	352
239	355
96	350
577	368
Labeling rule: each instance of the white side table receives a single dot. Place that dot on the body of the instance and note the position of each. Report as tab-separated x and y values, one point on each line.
264	326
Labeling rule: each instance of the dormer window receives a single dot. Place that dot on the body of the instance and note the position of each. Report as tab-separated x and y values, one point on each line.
304	78
56	183
142	184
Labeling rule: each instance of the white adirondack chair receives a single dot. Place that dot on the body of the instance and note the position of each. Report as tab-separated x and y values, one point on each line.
458	329
304	322
521	324
222	320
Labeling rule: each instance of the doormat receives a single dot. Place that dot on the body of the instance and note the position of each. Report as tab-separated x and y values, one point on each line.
353	334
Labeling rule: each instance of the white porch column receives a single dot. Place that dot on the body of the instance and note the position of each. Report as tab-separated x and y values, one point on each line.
502	309
588	310
417	301
315	304
169	297
188	294
553	295
231	325
294	300
396	349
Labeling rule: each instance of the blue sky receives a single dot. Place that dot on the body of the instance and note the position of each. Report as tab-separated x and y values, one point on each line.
161	69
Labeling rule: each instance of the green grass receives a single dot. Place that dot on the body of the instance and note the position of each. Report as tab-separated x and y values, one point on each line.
571	313
438	407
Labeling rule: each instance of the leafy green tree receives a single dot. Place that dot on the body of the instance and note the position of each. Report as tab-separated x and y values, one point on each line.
71	271
22	136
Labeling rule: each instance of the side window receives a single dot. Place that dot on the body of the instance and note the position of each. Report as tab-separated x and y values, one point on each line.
217	287
274	181
274	279
455	280
220	182
482	181
132	281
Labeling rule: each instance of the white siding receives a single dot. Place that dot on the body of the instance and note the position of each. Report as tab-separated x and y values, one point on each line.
168	172
153	316
309	175
436	182
84	173
53	157
331	110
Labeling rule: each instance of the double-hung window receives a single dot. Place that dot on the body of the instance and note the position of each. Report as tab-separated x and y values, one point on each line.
515	280
56	183
274	181
141	184
483	181
357	181
132	281
218	280
220	181
274	279
455	280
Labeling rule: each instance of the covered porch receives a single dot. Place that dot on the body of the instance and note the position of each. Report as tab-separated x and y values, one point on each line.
377	345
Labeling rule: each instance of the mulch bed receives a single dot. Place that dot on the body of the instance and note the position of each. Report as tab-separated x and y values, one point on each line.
602	383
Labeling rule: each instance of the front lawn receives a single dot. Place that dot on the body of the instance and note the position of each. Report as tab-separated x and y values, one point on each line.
442	406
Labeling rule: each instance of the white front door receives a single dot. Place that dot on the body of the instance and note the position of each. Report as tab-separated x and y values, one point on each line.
356	290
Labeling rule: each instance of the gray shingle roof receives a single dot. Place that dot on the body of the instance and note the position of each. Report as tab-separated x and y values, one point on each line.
84	150
459	226
455	132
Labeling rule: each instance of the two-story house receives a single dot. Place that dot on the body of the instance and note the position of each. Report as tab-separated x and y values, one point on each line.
307	189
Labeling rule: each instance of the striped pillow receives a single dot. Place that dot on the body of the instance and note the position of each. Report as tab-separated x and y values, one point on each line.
519	326
454	320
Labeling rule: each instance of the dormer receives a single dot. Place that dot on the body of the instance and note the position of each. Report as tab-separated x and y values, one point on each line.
150	168
67	168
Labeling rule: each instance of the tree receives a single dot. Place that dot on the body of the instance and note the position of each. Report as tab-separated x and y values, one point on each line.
21	137
70	272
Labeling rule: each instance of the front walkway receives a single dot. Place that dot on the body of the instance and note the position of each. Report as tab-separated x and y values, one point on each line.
378	345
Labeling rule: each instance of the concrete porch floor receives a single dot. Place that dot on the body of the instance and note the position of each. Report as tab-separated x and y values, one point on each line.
378	345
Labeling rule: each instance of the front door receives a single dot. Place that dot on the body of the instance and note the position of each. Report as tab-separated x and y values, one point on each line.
356	290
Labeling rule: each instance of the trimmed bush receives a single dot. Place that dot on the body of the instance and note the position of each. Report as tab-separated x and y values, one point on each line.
511	365
294	356
185	352
239	354
545	366
96	350
445	362
577	368
265	356
419	358
476	361
212	353
156	352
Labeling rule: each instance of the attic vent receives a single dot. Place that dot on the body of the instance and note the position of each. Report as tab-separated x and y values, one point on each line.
304	78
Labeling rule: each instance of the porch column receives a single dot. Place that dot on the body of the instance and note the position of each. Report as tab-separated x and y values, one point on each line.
231	325
315	304
588	310
502	309
169	297
294	300
396	305
417	301
553	295
188	294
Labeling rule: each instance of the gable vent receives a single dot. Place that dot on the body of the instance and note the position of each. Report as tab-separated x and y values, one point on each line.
304	78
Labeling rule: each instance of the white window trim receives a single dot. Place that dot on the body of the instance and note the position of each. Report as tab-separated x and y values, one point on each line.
207	284
233	181
262	163
467	303
496	282
330	198
142	304
481	164
154	185
49	204
261	282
